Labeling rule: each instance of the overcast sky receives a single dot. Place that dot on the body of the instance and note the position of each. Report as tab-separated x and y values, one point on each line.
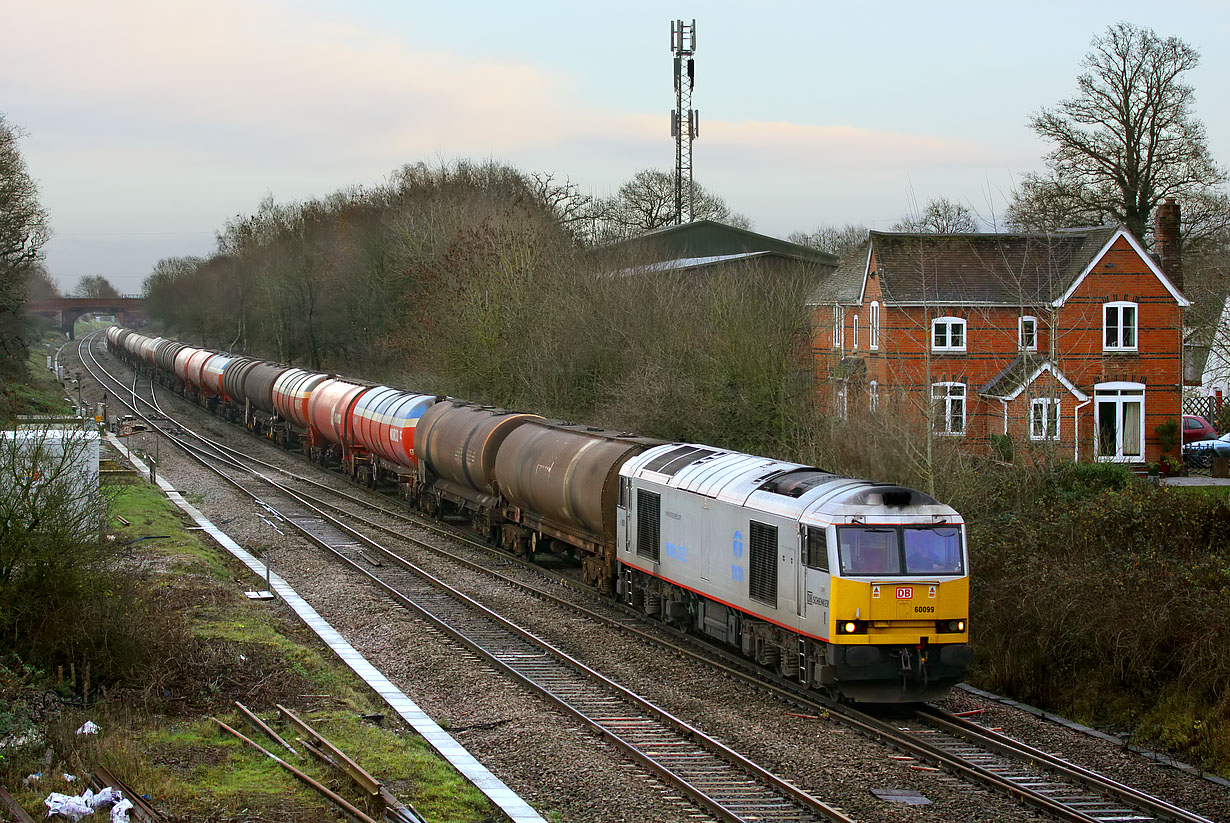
149	123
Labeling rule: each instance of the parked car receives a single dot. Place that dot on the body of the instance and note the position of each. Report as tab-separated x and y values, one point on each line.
1196	428
1200	454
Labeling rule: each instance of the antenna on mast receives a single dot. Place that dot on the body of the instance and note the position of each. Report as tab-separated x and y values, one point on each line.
685	121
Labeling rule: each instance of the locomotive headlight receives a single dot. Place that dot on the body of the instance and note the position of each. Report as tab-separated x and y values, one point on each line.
949	626
851	627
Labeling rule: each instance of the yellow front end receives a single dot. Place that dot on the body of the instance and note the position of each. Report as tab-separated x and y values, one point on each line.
887	612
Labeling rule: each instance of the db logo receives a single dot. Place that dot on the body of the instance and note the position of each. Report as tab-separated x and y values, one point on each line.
905	593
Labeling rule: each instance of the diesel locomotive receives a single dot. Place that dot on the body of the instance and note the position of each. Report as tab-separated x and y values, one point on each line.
860	589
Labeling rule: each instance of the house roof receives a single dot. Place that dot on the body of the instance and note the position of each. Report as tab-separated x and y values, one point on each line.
967	268
845	284
983	268
1020	373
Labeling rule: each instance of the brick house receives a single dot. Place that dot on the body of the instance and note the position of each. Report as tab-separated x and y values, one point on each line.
1071	340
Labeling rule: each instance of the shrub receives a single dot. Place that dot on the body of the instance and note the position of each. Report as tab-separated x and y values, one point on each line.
68	599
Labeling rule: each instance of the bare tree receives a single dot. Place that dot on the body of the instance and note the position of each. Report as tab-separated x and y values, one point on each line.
1127	140
95	285
564	201
23	231
940	216
838	240
647	202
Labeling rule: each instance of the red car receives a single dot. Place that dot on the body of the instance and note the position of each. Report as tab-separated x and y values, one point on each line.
1196	428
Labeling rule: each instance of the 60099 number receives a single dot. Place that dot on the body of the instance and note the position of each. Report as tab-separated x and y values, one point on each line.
924	609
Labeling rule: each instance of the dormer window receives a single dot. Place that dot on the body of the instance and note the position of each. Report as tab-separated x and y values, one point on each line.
1027	333
948	334
1119	326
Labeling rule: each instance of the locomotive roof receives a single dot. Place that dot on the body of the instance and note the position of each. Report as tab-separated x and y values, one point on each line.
788	489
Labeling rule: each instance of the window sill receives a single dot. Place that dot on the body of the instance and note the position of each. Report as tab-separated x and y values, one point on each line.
1113	458
1120	351
949	434
949	351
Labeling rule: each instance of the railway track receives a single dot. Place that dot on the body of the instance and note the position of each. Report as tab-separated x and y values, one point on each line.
717	778
955	744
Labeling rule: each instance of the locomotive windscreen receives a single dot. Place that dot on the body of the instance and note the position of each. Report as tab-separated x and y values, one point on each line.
893	550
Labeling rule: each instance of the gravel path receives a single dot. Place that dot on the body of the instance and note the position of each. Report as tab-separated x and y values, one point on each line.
559	766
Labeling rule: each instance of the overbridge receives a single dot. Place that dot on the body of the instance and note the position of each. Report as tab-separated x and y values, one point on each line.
65	310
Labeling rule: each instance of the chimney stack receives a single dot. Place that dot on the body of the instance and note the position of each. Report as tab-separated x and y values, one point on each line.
1166	241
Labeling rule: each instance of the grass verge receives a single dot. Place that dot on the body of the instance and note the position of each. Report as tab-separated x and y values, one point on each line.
157	733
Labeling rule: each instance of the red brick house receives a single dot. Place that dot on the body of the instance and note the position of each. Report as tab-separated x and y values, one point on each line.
1071	340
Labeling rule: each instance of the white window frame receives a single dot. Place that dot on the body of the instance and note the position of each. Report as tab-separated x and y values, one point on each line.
839	327
873	326
945	393
1051	413
842	408
1020	333
873	395
854	347
1121	329
950	324
1120	395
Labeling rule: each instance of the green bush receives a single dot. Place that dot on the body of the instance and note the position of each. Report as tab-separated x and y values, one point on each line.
1102	602
68	598
1001	445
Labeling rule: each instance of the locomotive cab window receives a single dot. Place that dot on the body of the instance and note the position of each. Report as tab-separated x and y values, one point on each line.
816	549
869	551
931	550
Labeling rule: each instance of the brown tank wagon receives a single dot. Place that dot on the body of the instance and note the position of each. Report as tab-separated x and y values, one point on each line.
232	377
457	443
562	480
258	383
164	355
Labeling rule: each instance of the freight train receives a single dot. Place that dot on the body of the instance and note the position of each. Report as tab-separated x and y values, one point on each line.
856	588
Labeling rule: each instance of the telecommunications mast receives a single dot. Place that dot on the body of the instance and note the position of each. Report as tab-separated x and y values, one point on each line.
685	121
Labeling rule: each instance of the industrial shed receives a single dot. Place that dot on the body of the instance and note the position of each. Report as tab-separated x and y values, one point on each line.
704	245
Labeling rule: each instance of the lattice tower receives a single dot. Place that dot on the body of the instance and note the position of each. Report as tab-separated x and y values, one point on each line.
685	121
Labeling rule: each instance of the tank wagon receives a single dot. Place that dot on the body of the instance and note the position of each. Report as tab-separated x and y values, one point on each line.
385	421
561	481
857	588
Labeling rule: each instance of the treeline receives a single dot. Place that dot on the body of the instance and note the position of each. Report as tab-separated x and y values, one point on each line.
470	280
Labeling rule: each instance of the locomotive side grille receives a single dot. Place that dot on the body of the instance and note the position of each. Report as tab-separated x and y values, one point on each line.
762	580
648	525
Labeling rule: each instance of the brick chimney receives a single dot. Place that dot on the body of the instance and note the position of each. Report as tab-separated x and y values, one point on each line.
1166	240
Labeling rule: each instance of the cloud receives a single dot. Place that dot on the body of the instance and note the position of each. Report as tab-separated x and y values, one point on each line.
156	116
259	82
271	72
